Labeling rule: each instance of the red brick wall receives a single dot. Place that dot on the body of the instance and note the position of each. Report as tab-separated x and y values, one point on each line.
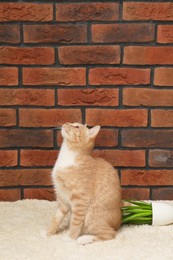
102	62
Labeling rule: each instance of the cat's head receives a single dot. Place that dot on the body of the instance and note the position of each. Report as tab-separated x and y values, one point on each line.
79	137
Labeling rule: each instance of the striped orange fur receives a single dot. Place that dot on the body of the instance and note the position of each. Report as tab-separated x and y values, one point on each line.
87	188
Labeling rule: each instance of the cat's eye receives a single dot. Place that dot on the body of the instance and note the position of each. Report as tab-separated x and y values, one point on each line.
76	126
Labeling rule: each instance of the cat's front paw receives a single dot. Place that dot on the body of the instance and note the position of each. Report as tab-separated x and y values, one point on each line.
52	230
85	240
46	233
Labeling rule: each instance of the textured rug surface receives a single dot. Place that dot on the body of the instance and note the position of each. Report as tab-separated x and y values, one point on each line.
21	223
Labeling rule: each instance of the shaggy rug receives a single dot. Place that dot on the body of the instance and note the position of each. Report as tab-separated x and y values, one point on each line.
21	223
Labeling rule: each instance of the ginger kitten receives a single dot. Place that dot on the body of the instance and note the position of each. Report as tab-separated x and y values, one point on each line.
87	188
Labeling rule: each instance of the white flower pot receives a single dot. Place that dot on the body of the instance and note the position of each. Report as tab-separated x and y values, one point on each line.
162	214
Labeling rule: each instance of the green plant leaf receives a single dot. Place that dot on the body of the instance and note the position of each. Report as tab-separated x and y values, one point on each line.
138	213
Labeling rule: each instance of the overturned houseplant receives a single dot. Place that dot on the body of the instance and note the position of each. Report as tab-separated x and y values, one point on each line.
151	213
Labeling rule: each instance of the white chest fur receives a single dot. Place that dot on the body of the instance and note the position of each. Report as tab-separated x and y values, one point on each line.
65	159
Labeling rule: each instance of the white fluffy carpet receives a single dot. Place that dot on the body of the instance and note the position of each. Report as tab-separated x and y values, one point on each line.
22	221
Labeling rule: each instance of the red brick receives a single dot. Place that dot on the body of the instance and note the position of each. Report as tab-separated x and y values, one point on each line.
34	55
8	158
87	12
129	32
88	97
147	177
8	76
26	138
162	194
38	157
147	97
48	117
106	137
163	77
162	118
54	76
41	194
147	138
161	158
119	76
9	33
55	33
10	195
36	97
120	118
141	55
25	177
123	158
165	34
148	11
9	178
8	117
136	193
25	12
89	55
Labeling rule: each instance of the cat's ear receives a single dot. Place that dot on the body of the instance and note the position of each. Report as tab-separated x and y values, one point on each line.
93	132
